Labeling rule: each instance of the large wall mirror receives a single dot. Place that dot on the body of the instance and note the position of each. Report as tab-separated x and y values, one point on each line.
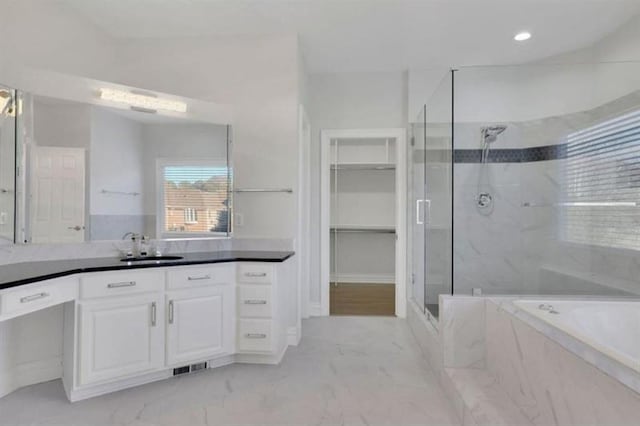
109	168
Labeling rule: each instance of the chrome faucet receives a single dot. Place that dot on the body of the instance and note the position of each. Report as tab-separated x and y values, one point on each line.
133	252
129	234
547	307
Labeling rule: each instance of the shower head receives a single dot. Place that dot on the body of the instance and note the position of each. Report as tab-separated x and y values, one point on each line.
490	133
5	101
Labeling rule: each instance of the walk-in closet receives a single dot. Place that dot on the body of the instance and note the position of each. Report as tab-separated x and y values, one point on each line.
363	171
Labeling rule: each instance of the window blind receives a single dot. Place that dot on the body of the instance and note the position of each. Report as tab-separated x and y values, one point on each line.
196	199
603	184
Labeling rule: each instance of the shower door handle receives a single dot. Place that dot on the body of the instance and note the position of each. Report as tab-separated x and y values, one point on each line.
418	216
425	217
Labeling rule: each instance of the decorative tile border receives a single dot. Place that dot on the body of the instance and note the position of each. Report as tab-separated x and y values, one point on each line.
513	155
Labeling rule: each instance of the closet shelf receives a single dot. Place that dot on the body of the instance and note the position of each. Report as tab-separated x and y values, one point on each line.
363	166
374	229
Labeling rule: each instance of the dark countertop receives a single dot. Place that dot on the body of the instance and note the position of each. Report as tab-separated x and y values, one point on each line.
16	274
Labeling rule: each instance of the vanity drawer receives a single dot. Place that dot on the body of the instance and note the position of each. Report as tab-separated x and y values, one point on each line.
106	284
255	273
185	277
255	335
255	301
33	297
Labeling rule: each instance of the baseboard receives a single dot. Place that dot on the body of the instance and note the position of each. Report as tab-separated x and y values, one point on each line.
257	358
7	384
315	309
38	371
364	278
29	374
90	391
293	336
221	362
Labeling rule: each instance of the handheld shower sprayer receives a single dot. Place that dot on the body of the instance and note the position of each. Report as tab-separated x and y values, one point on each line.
489	134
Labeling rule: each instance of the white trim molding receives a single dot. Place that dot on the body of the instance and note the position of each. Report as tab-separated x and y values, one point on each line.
399	135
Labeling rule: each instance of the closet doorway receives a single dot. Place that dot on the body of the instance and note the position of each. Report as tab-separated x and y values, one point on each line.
363	222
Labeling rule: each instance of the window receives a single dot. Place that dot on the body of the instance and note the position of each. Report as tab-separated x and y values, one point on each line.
190	215
603	184
193	198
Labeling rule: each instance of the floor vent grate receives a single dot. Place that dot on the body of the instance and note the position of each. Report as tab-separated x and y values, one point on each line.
189	368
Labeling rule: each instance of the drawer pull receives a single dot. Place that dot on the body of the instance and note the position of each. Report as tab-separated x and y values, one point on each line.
171	312
33	297
255	274
153	314
204	277
255	336
255	302
122	284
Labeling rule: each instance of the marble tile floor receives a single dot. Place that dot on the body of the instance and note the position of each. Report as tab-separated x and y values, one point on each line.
346	371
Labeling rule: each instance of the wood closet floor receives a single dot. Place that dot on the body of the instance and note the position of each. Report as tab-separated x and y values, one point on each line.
362	299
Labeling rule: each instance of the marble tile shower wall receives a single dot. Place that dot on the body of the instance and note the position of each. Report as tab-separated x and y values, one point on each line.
518	247
501	249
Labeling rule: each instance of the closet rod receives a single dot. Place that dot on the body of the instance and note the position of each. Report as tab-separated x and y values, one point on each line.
287	190
368	231
106	191
340	167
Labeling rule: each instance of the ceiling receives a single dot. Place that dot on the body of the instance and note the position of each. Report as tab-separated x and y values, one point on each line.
377	35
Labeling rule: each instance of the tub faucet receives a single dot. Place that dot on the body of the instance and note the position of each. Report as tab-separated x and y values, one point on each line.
547	307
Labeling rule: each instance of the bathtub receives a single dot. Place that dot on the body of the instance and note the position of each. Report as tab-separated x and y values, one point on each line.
610	327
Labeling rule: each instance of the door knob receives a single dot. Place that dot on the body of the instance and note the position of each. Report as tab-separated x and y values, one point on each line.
76	228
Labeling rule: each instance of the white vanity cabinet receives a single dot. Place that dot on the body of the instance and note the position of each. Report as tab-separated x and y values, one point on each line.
119	337
120	325
200	316
261	334
129	327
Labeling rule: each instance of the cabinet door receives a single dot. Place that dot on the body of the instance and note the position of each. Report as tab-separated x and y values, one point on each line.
200	324
120	337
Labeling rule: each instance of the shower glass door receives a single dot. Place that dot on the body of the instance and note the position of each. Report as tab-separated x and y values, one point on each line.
437	206
417	205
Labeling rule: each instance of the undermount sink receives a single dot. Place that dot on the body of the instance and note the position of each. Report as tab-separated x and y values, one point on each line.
150	258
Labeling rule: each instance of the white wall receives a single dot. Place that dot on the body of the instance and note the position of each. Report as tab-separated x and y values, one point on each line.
348	101
46	34
115	164
61	124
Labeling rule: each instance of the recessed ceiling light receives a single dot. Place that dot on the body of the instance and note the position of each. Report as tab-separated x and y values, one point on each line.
522	36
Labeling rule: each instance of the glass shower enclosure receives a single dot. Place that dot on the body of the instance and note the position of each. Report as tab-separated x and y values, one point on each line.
526	181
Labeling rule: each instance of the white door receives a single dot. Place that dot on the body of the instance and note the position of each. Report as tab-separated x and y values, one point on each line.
200	324
57	195
120	337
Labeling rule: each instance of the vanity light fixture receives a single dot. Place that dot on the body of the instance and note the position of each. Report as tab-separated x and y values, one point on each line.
142	102
522	36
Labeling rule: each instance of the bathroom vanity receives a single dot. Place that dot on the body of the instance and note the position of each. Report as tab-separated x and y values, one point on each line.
130	323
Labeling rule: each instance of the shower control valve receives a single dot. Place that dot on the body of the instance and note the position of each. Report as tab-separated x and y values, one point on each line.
484	199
